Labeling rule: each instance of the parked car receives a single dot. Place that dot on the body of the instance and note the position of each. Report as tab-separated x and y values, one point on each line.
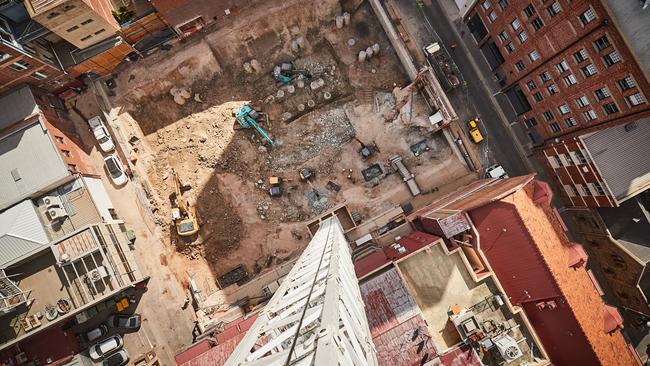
115	170
96	333
116	359
101	134
496	171
124	321
106	347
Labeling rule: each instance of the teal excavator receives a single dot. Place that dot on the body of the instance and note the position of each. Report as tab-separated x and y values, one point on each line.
247	117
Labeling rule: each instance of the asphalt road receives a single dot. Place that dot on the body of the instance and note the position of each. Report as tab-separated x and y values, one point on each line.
476	96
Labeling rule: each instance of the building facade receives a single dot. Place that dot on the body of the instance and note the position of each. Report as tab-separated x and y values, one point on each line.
568	72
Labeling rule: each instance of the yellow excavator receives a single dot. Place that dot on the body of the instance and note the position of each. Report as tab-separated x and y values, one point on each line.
183	215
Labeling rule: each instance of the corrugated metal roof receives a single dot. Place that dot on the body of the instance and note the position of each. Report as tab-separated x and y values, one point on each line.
21	232
621	155
16	105
29	162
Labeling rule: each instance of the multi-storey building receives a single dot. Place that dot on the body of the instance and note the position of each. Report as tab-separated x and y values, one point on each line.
65	259
81	23
26	51
568	72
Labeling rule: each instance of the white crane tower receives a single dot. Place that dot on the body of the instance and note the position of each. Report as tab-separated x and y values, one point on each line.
317	316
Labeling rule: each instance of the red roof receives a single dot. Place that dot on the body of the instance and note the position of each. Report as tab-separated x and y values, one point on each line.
613	319
201	354
412	242
577	256
398	331
192	352
460	356
52	343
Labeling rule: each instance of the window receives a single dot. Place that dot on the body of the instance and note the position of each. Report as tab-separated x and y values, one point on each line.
610	108
492	16
4	56
72	168
531	85
530	122
523	36
548	116
562	66
529	10
86	38
581	56
582	101
636	99
520	65
509	47
52	15
602	43
486	4
503	36
554	127
564	109
581	157
589	115
66	153
584	191
68	7
552	89
515	24
611	58
599	188
100	31
556	162
20	65
537	23
602	93
589	70
570	122
554	9
624	84
538	96
571	191
59	139
545	76
87	21
39	75
533	56
72	29
503	4
587	16
570	80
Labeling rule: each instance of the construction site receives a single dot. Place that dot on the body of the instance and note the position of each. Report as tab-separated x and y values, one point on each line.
331	105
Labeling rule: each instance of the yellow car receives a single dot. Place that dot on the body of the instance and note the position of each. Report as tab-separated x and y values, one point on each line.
476	135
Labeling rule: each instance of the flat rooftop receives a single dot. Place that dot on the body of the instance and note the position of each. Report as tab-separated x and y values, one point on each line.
632	21
442	286
81	269
630	225
77	209
620	154
29	162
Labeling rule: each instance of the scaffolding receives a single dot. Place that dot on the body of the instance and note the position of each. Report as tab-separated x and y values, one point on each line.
317	316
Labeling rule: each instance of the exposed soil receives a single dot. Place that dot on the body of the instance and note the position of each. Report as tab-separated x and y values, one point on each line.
228	169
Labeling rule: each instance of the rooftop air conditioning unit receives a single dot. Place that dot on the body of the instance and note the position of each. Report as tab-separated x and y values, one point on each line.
507	347
56	213
52	201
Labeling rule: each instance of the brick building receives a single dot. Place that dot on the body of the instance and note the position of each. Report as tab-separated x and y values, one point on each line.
563	65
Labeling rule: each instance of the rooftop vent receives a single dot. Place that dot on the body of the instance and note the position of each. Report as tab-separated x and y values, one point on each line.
630	127
15	174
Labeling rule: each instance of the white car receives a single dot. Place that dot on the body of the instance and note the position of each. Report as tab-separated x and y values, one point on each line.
115	170
101	134
106	347
496	171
